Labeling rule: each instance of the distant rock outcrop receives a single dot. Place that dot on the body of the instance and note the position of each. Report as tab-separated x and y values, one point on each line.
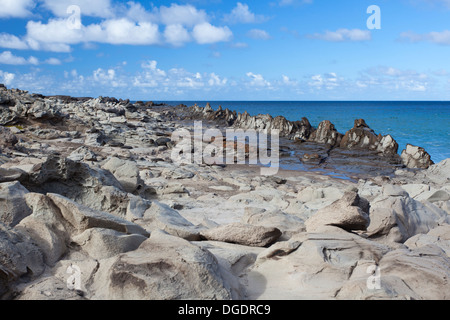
362	137
416	157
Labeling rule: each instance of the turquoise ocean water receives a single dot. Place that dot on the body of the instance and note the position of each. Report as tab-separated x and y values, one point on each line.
425	124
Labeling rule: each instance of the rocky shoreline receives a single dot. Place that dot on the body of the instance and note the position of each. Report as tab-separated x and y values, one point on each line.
93	207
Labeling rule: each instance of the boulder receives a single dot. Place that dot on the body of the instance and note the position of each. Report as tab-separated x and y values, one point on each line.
82	154
362	137
19	258
394	219
244	234
425	271
326	133
13	207
8	175
82	218
7	138
416	157
349	213
288	224
89	186
163	268
106	243
126	172
46	226
439	236
161	216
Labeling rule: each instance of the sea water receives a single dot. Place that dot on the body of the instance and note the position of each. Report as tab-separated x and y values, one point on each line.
424	124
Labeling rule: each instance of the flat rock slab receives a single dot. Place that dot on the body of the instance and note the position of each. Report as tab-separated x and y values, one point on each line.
244	234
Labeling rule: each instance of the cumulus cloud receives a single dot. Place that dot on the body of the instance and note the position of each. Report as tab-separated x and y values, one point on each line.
206	33
242	14
6	77
328	81
7	57
186	15
10	41
343	34
130	24
96	8
257	80
16	8
176	34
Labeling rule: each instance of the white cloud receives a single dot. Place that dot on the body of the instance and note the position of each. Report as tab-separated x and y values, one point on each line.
328	81
10	41
124	31
53	61
342	35
113	31
186	15
258	34
176	35
91	8
288	82
7	57
436	37
206	33
242	14
16	8
215	80
6	78
394	79
257	80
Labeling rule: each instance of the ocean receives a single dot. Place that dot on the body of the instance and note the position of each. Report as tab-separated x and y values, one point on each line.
424	124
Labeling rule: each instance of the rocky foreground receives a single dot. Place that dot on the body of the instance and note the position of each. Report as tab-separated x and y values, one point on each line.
93	207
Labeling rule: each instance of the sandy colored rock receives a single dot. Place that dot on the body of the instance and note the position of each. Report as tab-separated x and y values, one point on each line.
163	268
244	234
348	213
13	207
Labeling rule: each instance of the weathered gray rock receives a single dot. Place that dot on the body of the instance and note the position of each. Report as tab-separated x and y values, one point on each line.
163	268
310	265
244	234
13	207
439	236
161	216
47	227
83	218
286	223
397	218
82	154
362	137
106	243
326	133
425	271
416	157
126	172
8	175
349	213
7	138
19	258
92	187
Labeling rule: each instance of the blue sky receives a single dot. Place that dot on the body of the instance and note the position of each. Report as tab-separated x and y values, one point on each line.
227	50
